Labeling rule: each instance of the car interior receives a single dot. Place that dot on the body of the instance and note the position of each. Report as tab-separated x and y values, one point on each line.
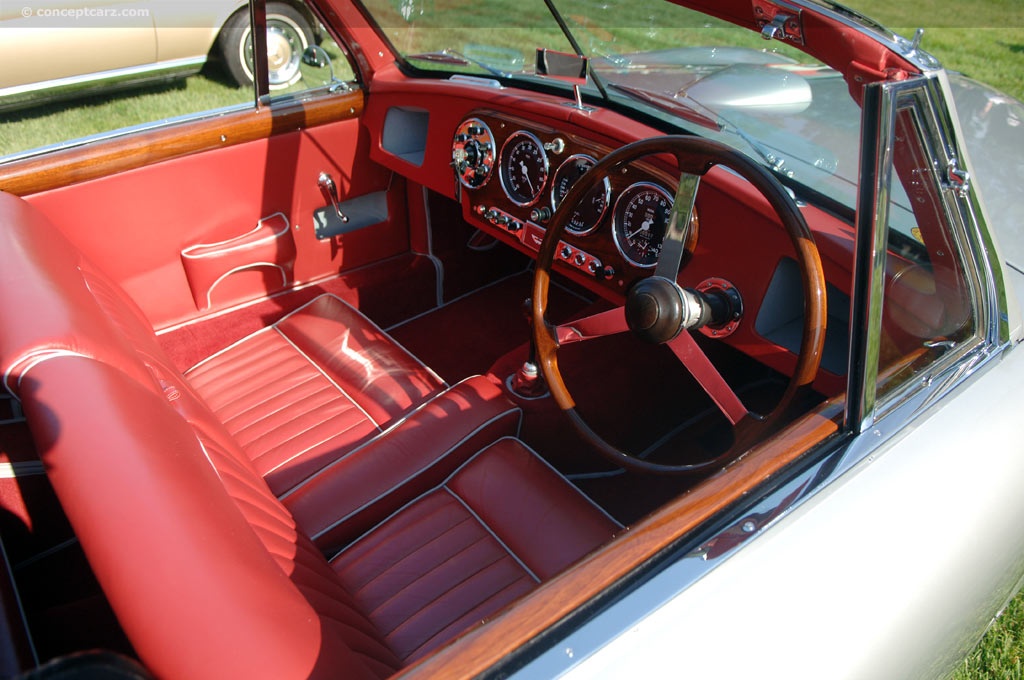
323	387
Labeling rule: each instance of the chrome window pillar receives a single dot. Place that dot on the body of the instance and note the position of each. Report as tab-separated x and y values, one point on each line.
877	131
926	99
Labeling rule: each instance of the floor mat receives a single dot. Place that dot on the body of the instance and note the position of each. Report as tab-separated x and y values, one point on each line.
466	336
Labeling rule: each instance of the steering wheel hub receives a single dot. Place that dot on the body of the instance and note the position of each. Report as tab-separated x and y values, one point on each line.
656	310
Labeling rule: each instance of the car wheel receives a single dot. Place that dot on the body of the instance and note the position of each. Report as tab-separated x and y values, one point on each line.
288	34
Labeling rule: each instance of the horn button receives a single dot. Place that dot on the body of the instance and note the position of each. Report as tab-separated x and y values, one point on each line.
657	310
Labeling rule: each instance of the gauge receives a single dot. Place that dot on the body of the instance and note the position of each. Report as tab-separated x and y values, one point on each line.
473	153
524	168
638	224
587	214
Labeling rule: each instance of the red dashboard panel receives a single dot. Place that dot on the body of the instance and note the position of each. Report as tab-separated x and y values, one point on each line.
735	230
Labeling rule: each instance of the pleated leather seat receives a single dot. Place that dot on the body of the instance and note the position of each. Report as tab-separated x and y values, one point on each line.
392	545
308	389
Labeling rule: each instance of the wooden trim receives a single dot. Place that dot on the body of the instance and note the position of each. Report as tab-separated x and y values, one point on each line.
135	150
482	648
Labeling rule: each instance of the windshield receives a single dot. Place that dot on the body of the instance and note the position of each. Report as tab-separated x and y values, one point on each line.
691	71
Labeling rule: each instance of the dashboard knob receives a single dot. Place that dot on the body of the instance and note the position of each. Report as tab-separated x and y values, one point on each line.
541	215
565	253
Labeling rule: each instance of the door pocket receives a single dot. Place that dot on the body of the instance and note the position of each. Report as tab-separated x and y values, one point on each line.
256	263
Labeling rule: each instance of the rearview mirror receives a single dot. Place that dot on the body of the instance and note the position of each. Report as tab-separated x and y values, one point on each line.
562	65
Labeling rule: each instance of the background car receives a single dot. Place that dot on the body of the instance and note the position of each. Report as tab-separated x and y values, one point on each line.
83	47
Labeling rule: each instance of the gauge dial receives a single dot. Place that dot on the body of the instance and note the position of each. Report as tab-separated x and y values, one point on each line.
587	214
638	224
473	153
524	168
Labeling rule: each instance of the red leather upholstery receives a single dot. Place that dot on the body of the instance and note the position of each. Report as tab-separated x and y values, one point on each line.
302	392
490	533
430	525
207	574
344	499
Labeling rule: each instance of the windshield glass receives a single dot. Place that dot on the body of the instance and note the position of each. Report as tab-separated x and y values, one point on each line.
692	71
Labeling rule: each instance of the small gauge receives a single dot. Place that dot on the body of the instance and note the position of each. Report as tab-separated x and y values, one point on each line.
588	213
473	153
524	168
638	224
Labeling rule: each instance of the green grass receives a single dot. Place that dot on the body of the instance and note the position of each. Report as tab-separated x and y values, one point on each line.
983	39
210	89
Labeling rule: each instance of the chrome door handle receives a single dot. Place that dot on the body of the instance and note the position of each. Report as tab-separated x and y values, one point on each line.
329	190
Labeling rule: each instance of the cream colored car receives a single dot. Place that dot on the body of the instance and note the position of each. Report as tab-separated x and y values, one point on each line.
78	46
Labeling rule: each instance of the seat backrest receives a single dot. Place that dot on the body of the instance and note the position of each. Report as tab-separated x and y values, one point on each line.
190	546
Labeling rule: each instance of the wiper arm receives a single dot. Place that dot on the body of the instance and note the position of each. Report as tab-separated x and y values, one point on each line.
669	104
455	58
774	161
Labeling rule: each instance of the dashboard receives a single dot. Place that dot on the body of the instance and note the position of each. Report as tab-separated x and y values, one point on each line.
513	175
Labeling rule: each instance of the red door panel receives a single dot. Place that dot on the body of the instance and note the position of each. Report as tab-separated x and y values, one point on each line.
142	225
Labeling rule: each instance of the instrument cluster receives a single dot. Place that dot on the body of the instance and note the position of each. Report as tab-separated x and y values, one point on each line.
514	174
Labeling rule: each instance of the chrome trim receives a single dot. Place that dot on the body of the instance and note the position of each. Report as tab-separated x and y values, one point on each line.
877	131
928	98
969	206
29	94
908	49
22	469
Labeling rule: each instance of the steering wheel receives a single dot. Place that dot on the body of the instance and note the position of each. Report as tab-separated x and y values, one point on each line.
659	311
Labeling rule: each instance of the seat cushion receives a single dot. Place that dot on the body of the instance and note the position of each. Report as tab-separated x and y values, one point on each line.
304	391
492	531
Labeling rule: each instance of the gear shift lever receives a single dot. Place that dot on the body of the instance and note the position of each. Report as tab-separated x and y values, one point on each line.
527	382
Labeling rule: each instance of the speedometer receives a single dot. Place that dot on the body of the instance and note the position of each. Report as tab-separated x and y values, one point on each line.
524	168
586	214
639	222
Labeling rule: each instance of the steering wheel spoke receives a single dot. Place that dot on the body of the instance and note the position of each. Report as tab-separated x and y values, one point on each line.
595	326
704	372
674	244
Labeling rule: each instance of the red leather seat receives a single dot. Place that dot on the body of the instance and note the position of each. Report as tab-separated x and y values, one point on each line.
381	554
308	389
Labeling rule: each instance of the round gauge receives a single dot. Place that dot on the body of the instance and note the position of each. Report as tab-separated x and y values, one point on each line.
639	222
524	168
473	153
587	214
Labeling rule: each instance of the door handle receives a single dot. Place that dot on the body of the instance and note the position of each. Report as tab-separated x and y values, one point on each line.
329	190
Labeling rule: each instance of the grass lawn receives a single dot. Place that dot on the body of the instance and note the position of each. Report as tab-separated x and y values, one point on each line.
984	39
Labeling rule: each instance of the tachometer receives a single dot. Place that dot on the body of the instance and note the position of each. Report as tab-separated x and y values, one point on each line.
587	214
639	221
524	168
